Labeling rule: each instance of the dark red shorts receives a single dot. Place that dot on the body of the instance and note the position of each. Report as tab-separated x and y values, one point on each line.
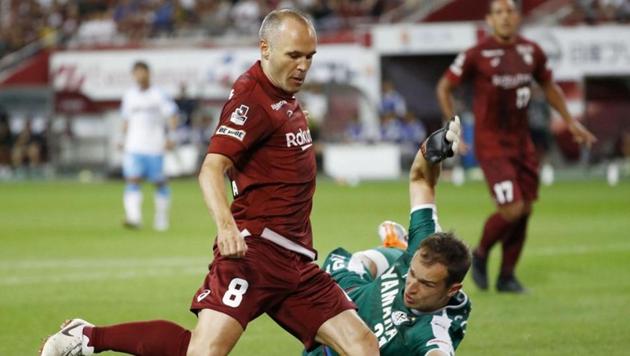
289	287
512	179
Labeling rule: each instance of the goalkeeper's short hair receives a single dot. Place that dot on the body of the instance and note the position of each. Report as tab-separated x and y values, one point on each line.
447	249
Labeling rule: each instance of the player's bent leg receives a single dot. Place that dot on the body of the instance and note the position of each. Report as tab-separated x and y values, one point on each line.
513	211
348	335
216	334
512	249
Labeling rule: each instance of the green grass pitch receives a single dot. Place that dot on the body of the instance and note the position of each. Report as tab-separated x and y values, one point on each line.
63	253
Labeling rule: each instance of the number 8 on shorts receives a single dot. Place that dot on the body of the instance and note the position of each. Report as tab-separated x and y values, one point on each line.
234	294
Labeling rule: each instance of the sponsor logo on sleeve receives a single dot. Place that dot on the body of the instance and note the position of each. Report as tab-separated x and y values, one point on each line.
228	131
277	106
239	116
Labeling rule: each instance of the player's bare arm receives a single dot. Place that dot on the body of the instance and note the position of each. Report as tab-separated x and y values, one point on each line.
212	183
425	169
444	92
554	96
171	128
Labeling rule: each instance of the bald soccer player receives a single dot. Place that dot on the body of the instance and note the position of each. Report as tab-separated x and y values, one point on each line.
263	254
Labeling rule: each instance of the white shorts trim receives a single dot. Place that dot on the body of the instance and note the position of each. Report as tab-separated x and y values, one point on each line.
282	241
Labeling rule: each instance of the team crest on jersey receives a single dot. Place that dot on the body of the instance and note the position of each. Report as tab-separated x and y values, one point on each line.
228	131
398	318
239	116
494	55
526	52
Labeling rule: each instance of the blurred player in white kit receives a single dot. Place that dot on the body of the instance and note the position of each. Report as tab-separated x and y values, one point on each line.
150	120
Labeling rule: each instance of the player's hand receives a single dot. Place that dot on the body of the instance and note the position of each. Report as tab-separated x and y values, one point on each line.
231	243
443	143
307	115
581	134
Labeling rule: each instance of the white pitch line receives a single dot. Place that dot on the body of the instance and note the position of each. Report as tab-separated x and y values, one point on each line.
110	269
98	275
576	249
130	262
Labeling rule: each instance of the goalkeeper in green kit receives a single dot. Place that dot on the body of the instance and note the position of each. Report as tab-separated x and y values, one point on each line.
409	291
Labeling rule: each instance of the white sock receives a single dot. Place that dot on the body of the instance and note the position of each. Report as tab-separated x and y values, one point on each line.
162	204
133	206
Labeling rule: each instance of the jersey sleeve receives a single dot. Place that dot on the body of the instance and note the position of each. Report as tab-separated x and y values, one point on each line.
462	67
168	107
542	69
436	337
423	222
242	125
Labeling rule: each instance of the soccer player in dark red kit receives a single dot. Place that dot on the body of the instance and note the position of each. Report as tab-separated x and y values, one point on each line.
502	68
263	255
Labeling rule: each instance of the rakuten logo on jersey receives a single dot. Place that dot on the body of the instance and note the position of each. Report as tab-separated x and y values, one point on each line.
300	139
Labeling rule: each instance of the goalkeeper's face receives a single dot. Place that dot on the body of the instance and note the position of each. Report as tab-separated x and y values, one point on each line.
426	287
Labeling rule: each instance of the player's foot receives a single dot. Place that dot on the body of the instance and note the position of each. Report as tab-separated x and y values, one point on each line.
510	285
131	225
161	225
480	271
393	234
69	341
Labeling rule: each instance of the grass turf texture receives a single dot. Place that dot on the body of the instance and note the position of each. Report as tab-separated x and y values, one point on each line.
64	254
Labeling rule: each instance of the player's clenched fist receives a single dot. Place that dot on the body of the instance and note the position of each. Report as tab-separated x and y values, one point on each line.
231	243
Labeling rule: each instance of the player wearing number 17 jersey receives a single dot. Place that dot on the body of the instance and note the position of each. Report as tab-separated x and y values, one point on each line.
502	68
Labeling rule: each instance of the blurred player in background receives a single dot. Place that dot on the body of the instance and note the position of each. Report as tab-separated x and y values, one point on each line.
408	291
502	68
150	121
263	255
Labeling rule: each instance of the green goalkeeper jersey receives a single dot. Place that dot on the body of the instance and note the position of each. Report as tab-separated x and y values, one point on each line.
380	301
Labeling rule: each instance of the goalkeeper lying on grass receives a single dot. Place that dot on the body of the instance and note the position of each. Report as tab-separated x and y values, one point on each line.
408	291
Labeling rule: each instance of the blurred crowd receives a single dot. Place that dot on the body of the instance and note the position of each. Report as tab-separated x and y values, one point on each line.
105	21
25	21
23	149
598	11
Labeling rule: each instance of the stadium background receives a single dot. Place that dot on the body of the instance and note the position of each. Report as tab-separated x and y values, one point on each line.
65	64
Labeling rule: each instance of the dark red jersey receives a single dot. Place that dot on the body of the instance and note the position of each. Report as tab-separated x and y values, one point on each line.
265	133
502	75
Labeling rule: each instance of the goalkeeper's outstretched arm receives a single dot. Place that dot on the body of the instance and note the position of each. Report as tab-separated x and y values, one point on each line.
425	169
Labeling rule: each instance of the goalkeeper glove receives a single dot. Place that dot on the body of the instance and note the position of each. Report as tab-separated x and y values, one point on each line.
442	143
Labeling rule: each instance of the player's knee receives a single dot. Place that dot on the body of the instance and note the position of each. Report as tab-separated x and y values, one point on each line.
512	212
162	188
134	180
200	346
